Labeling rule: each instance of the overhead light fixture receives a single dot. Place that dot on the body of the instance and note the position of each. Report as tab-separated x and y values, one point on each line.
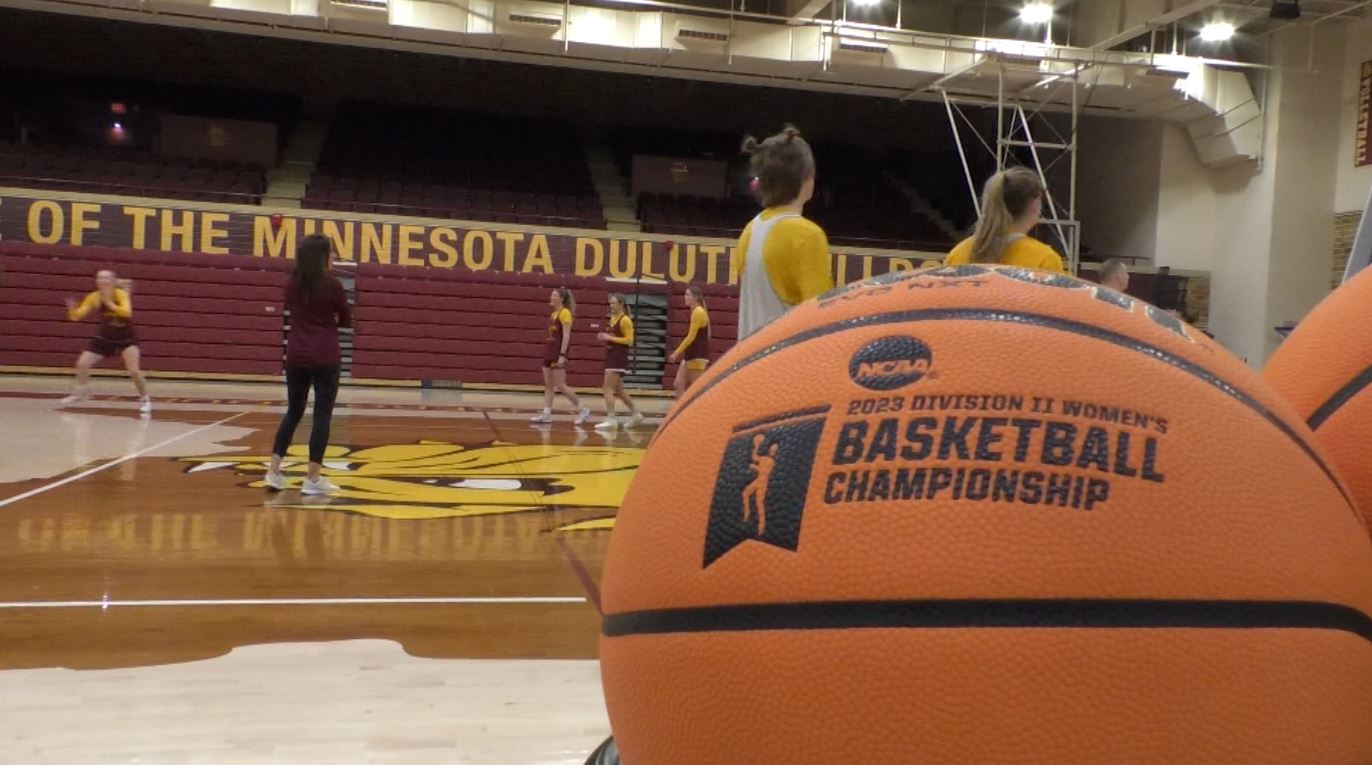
1217	31
866	3
1036	13
1285	10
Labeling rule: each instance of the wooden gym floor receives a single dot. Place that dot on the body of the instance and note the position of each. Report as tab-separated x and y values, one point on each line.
442	608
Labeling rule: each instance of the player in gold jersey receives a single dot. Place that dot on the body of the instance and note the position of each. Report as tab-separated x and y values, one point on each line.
784	257
115	337
1011	204
618	338
694	350
556	342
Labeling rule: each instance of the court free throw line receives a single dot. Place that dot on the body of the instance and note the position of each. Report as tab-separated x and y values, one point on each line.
380	601
115	461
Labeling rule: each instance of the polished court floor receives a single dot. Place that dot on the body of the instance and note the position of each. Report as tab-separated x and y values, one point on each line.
157	604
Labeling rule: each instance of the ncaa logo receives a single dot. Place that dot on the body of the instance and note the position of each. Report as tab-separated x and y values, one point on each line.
890	363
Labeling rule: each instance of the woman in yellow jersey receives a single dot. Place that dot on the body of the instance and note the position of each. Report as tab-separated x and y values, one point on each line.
618	339
695	347
115	337
555	357
785	257
1011	203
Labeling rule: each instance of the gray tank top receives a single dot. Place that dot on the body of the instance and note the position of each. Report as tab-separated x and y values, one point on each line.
758	302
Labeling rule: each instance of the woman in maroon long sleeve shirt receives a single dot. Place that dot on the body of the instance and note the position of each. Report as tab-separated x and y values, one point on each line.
318	307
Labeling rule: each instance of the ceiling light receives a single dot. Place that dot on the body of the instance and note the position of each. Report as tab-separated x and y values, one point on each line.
1217	31
1036	13
866	3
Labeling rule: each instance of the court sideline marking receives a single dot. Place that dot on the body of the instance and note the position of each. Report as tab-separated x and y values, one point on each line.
117	461
380	601
582	574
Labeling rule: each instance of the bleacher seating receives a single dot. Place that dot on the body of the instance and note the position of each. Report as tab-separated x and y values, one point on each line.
435	324
220	314
454	165
854	202
853	220
128	172
695	216
668	142
942	181
194	313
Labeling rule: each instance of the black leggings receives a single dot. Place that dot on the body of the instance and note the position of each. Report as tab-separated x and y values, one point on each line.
299	380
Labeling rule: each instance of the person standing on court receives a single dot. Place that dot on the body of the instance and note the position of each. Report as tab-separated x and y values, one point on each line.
115	337
318	307
693	353
1011	203
1114	274
618	339
555	347
785	256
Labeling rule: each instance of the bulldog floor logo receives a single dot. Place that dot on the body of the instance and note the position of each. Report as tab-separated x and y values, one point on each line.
437	479
763	481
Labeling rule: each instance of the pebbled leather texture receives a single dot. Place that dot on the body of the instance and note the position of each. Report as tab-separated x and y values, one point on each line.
789	477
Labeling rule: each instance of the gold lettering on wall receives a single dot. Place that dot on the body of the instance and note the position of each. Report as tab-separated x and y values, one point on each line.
376	243
273	241
211	233
411	239
82	220
444	242
590	257
475	261
138	218
184	231
510	239
47	222
539	258
343	235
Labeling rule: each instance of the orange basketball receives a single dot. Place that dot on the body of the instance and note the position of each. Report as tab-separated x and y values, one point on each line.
986	515
1324	369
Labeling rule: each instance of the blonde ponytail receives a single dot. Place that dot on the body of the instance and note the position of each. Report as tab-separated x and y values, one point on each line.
1004	198
989	240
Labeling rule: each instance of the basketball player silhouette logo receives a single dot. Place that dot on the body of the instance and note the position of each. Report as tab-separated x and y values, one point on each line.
755	493
763	482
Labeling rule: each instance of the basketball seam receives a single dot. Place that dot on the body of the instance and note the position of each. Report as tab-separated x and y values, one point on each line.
1341	396
783	416
1050	613
1032	319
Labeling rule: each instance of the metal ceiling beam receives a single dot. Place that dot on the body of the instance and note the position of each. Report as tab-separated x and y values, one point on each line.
809	9
1157	22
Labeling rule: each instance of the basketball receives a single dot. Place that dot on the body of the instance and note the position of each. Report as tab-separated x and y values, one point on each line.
984	514
1324	369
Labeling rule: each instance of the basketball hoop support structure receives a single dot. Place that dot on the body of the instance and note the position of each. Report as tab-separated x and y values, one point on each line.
1022	113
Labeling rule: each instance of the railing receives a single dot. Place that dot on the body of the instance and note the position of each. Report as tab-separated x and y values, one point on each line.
131	188
442	212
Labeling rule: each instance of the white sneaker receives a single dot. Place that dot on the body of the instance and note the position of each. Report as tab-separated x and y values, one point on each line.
145	406
321	485
275	481
636	419
542	418
608	424
583	415
74	398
